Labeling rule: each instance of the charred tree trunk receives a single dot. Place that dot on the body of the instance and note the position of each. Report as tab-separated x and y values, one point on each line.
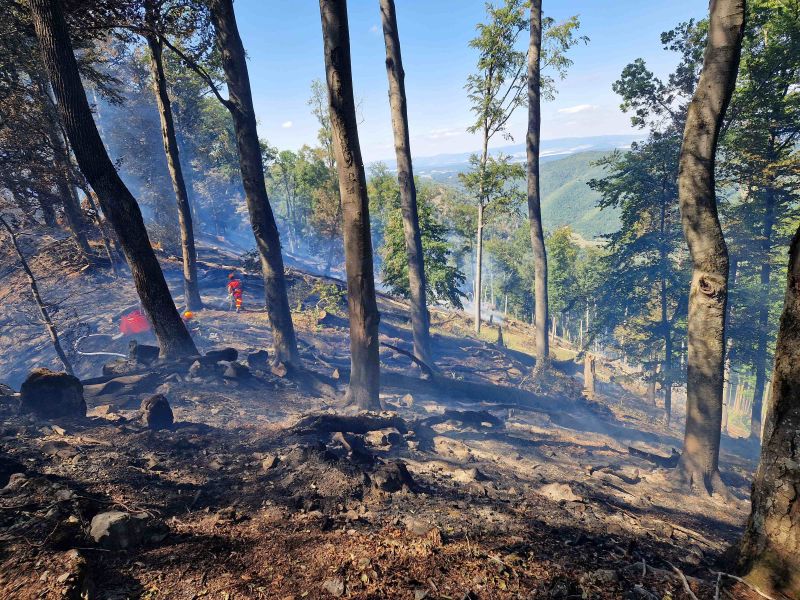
72	209
190	289
72	212
534	197
265	230
760	363
103	235
361	302
770	550
116	201
48	323
48	211
589	370
709	288
405	174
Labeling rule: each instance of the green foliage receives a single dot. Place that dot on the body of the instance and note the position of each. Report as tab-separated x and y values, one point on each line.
760	160
331	296
489	183
567	199
644	299
443	278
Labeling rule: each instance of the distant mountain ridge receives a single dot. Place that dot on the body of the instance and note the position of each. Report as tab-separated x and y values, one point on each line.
444	166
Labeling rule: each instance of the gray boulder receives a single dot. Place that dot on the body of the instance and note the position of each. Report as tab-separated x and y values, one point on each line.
117	530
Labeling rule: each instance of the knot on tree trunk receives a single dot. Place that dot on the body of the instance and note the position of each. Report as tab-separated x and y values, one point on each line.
711	286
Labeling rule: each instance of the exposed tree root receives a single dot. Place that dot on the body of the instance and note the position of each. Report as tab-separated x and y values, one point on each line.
692	477
667	462
363	423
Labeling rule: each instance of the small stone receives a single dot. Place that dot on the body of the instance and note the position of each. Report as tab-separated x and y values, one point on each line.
605	576
142	354
559	492
334	586
418	527
392	477
279	369
270	461
420	594
235	370
258	360
157	413
335	374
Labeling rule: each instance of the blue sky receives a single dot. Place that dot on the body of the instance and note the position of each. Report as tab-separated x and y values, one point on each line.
283	41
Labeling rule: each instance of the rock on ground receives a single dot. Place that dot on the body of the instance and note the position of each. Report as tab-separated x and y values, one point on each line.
157	413
117	530
50	394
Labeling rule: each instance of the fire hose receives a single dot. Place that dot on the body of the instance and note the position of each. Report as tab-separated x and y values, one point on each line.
105	335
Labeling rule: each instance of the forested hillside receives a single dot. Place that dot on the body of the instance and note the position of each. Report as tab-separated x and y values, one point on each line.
239	359
567	198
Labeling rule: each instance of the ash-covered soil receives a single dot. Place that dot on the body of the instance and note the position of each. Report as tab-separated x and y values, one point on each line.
497	485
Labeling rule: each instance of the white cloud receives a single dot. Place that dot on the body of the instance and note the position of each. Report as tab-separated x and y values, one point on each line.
571	110
437	134
373	29
287	124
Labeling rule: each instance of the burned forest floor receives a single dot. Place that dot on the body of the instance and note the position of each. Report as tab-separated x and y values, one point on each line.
482	482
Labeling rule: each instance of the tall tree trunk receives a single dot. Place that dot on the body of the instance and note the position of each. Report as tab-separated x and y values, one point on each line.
265	230
726	373
361	302
699	463
116	201
103	235
48	323
770	549
534	196
190	288
48	211
72	209
479	267
760	362
665	322
420	324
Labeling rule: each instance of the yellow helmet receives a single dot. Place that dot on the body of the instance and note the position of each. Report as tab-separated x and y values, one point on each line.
188	314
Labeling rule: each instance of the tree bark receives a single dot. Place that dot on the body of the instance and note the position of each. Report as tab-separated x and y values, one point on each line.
48	323
265	230
708	292
726	373
190	288
534	197
420	324
362	305
760	363
770	549
72	209
479	267
103	236
589	375
115	199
